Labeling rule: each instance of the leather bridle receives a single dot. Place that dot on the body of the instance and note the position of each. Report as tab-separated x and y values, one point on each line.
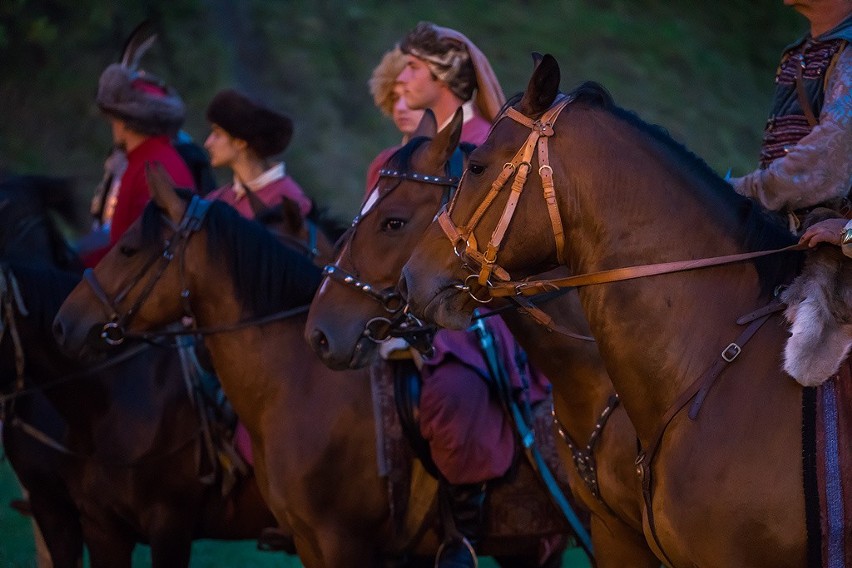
114	331
400	322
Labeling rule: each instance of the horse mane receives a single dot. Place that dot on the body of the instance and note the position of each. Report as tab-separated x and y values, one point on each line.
268	276
755	227
43	288
331	226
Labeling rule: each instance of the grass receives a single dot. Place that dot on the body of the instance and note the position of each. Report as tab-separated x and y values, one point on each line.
18	551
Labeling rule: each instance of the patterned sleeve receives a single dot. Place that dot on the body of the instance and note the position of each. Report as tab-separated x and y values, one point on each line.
819	167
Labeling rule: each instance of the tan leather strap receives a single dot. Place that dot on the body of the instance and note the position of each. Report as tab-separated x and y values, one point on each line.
531	287
485	262
800	91
698	391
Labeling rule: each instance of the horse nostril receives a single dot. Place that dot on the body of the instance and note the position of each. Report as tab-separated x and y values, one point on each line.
402	288
58	332
319	342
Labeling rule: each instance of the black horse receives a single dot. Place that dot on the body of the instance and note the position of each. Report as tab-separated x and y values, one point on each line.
112	452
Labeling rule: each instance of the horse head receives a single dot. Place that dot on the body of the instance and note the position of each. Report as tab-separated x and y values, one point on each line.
178	246
358	302
437	281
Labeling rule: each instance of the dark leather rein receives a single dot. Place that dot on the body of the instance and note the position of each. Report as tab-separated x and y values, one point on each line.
114	332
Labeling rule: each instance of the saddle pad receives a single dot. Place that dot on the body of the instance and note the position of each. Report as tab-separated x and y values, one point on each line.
828	479
518	505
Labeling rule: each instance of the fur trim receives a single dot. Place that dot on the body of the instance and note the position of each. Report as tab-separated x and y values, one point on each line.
143	101
820	310
383	80
266	131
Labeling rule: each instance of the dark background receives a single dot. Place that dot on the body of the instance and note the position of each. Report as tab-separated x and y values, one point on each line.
703	70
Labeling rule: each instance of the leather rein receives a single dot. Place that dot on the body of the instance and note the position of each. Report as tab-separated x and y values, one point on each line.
114	331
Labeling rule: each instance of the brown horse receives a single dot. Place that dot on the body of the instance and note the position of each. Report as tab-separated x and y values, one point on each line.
128	420
411	193
722	475
312	429
71	433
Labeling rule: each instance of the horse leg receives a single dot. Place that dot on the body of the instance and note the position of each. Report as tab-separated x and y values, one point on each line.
616	545
108	548
60	527
171	544
339	549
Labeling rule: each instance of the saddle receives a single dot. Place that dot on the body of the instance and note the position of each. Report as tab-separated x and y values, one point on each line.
517	505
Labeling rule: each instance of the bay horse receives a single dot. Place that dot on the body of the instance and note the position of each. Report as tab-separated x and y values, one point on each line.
720	427
312	428
87	440
128	420
412	188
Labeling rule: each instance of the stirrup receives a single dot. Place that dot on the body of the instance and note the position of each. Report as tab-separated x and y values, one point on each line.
464	542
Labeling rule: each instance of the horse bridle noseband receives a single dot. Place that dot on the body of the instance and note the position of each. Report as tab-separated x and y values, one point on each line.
400	323
462	238
113	332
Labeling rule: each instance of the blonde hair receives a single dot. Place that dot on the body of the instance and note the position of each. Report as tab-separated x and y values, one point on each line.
383	79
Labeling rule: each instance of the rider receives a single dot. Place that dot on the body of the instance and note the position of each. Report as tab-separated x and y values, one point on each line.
387	95
806	156
145	114
470	437
244	136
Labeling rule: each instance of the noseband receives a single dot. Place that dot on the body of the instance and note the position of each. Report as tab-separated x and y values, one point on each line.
113	332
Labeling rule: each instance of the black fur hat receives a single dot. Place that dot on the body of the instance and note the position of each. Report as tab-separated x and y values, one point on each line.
266	131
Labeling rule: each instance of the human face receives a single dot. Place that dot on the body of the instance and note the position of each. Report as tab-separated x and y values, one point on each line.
119	138
405	118
421	90
222	147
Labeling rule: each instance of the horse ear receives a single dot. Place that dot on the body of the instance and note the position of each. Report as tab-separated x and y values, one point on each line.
442	146
536	57
162	190
291	212
542	88
428	126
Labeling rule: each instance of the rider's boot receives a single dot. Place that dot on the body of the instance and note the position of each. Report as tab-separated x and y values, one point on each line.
466	507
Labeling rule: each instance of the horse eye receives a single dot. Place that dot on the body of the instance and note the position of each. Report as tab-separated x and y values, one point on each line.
127	250
476	169
393	224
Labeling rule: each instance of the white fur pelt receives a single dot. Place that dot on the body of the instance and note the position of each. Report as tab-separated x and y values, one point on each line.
819	307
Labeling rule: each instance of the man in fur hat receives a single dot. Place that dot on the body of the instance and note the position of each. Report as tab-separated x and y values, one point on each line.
144	115
245	135
471	439
444	71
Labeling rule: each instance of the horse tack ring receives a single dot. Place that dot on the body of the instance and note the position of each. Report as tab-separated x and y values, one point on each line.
466	287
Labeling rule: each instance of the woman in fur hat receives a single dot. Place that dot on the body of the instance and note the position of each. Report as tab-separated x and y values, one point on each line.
244	136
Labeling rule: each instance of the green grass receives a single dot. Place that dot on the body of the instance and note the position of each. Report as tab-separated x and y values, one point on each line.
18	551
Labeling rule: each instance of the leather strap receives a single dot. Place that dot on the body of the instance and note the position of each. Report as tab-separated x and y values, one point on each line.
804	102
531	287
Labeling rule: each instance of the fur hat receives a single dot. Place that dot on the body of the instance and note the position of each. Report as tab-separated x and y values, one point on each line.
143	101
457	61
383	79
266	131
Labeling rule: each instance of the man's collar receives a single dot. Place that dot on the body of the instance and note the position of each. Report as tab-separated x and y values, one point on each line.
273	174
467	114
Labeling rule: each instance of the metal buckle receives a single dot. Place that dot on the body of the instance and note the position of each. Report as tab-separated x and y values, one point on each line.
731	352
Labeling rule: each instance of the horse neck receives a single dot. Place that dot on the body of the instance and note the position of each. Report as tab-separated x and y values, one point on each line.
670	327
573	366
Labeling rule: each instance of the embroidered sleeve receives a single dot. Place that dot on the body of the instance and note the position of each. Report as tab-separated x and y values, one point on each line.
819	167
